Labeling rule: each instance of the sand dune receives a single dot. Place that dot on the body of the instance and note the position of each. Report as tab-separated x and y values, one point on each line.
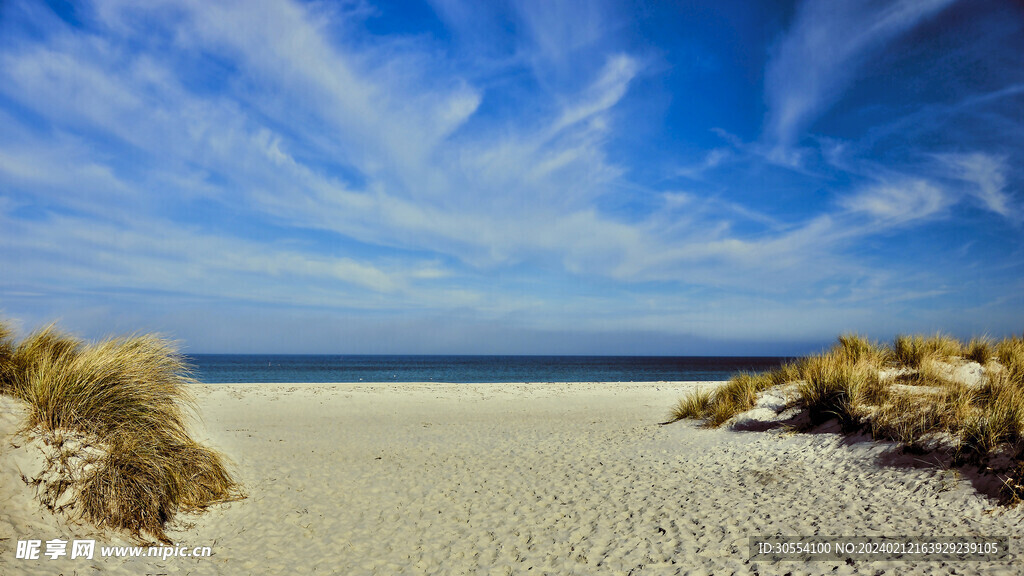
520	479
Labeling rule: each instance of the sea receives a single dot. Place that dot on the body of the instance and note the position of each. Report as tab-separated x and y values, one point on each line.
278	368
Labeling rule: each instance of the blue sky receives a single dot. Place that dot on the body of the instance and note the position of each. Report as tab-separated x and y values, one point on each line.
720	177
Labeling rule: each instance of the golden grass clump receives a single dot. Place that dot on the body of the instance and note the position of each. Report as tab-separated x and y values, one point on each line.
905	418
929	373
788	372
130	393
42	345
6	359
836	386
132	384
145	479
912	351
997	420
695	405
980	350
738	395
908	350
839	383
959	403
945	346
1010	353
854	349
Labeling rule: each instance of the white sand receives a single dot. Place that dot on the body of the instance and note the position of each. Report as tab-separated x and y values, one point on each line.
521	479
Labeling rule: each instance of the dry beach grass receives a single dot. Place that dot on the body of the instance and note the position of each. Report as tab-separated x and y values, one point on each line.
922	392
115	414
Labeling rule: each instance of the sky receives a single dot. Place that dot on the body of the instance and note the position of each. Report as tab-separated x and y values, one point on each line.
531	177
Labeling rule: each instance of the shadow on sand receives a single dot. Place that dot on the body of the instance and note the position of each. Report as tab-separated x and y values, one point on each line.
987	478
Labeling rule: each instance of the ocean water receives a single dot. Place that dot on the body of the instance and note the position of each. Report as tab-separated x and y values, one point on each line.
226	368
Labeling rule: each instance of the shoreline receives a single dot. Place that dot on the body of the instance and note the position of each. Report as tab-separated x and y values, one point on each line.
563	478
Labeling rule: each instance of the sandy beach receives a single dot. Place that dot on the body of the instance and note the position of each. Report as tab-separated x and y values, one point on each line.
518	479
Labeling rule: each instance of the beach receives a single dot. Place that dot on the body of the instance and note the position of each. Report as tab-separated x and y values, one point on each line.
567	478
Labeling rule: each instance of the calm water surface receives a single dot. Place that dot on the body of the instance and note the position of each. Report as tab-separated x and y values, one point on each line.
226	368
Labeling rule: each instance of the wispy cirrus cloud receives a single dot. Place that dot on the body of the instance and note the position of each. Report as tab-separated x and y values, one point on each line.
899	203
279	154
822	52
985	176
392	143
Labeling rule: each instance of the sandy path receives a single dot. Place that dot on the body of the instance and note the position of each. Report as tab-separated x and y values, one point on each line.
533	479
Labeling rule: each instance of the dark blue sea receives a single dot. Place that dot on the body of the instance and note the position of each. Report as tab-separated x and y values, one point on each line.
226	368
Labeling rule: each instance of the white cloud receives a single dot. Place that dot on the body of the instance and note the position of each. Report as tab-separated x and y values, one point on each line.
894	203
603	94
712	160
560	30
821	54
986	179
426	205
154	255
487	199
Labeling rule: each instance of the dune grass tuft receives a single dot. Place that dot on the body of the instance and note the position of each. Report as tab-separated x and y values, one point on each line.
908	350
838	385
136	383
827	382
912	351
944	346
6	359
854	349
1010	353
980	350
904	418
45	344
695	405
131	393
737	395
997	420
788	372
